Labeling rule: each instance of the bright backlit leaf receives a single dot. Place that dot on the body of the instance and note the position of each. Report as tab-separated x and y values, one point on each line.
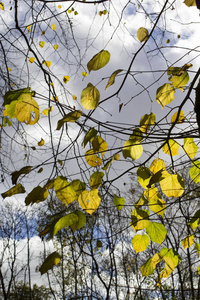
96	179
146	122
52	260
47	110
41	142
70	117
89	200
28	28
142	201
142	34
156	231
112	78
53	26
147	268
156	203
197	247
181	117
37	195
15	175
66	79
98	61
195	221
17	189
156	259
179	81
195	171
190	147
90	97
157	165
31	59
63	222
2	5
188	241
84	74
171	258
64	191
171	148
55	46
140	242
143	176
41	44
165	94
119	202
172	185
137	136
99	145
89	135
92	159
139	219
47	63
132	150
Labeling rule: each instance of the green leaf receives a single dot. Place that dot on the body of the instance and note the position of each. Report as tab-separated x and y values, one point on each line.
119	202
81	221
188	241
165	94
64	191
70	117
17	189
52	260
147	121
98	61
156	231
143	176
142	34
90	97
190	147
147	268
15	175
89	200
96	179
195	171
78	186
195	221
179	81
132	150
156	203
38	194
140	242
89	135
112	78
139	219
197	247
63	222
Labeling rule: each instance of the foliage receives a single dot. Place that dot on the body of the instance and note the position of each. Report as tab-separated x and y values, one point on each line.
92	150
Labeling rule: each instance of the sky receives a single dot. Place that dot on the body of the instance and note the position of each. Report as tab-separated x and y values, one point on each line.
84	35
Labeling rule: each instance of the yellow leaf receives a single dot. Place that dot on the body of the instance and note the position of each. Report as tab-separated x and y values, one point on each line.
50	261
132	150
2	5
143	176
41	44
31	59
96	179
64	191
188	241
142	34
147	121
74	97
171	148
90	97
181	117
75	13
47	63
24	110
66	79
17	189
165	94
198	270
47	110
112	78
92	159
41	142
89	200
140	242
98	61
42	32
190	147
28	28
55	47
172	185
9	69
190	3
99	145
59	6
84	74
156	259
139	219
53	26
157	165
70	117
